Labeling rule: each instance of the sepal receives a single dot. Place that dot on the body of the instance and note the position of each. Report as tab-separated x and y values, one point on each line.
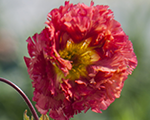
44	117
26	117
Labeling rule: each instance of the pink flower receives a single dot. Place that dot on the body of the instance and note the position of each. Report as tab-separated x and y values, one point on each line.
79	61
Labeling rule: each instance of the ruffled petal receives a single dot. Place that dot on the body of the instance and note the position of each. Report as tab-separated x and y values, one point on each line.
79	61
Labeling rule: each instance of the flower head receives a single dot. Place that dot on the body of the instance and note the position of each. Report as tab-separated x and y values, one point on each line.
79	61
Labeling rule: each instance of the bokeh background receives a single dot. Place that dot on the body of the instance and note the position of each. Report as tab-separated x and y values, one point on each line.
20	19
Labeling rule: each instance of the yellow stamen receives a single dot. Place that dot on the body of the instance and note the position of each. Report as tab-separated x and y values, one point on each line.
80	55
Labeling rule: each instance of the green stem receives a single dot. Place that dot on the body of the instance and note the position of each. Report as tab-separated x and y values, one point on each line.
26	99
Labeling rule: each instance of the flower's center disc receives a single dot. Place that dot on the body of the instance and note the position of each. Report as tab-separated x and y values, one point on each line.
80	55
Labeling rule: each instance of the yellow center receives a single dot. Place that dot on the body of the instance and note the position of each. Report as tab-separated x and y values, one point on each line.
80	55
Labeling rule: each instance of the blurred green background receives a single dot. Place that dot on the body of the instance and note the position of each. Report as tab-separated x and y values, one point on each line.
20	19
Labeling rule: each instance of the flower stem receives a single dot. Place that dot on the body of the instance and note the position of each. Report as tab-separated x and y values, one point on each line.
26	99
